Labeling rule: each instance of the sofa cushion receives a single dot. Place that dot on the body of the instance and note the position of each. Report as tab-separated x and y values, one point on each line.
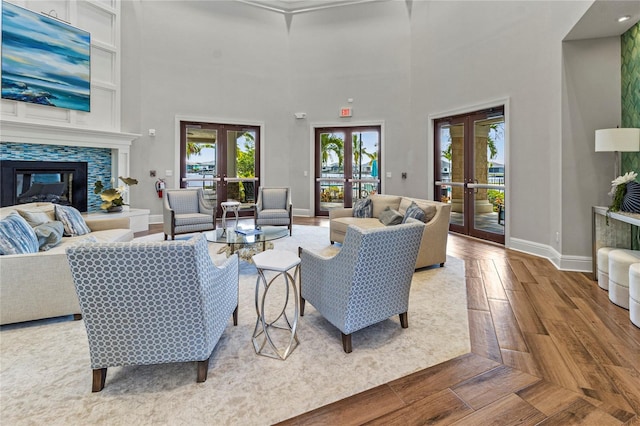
49	234
362	208
428	208
390	217
17	236
47	208
34	218
413	211
381	202
72	220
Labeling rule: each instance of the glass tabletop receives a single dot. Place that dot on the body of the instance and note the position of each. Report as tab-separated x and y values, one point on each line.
233	237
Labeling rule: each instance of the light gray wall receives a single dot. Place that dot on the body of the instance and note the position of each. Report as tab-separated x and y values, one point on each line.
211	60
591	100
401	62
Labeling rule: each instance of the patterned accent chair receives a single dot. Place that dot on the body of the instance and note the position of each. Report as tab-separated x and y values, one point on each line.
185	211
367	282
152	303
273	208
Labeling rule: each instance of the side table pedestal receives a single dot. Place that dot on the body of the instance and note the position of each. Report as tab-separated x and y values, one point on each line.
265	341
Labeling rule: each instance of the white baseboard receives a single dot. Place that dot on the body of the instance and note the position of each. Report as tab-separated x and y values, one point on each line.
562	262
156	218
302	212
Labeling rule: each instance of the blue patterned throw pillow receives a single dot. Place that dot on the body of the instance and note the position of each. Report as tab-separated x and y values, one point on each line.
72	220
16	236
415	212
631	200
363	208
390	217
49	234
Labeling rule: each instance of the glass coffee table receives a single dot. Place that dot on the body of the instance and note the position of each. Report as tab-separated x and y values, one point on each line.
246	243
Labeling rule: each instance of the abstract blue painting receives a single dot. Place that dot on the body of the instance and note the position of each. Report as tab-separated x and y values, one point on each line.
44	61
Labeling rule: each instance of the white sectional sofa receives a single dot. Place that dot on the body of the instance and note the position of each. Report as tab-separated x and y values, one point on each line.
433	247
39	285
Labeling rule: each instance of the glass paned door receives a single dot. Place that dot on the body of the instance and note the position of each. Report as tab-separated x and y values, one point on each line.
347	166
470	172
222	159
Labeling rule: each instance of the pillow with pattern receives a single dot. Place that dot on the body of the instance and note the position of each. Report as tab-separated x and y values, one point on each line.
17	236
72	220
49	234
363	208
631	200
415	212
390	216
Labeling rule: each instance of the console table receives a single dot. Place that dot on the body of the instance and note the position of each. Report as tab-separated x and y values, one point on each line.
138	218
618	233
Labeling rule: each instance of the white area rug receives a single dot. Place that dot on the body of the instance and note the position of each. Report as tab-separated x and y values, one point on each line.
45	375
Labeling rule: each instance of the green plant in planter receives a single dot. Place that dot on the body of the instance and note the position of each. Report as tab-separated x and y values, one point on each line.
112	197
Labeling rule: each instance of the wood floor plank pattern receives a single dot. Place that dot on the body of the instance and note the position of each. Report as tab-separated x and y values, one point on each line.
547	347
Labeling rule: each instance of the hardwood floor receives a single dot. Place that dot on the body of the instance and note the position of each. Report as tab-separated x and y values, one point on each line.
547	347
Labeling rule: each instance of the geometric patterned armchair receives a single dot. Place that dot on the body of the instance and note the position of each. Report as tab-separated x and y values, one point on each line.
366	282
273	207
152	302
185	211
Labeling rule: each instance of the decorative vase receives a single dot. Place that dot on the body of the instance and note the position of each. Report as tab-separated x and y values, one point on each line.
114	209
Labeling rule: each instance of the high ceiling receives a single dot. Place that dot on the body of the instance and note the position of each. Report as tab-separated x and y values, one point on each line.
300	6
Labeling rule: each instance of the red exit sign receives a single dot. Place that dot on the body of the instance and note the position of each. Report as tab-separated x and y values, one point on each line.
345	112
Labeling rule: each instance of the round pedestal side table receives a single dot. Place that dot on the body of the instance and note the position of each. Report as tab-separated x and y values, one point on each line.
264	341
232	206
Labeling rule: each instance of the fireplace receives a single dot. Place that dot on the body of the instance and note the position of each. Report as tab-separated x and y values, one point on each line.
59	182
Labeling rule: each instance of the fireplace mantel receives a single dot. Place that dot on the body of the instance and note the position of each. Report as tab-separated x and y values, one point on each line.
48	134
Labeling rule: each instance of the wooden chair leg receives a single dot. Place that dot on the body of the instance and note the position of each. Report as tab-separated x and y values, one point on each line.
235	316
77	317
346	343
442	265
404	320
203	369
99	377
165	237
302	302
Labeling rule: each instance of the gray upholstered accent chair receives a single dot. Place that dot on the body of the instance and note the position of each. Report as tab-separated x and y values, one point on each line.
152	302
273	208
185	211
367	281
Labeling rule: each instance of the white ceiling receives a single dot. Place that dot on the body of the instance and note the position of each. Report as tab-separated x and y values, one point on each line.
300	6
601	19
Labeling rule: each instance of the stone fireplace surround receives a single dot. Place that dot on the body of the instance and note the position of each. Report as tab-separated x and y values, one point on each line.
32	133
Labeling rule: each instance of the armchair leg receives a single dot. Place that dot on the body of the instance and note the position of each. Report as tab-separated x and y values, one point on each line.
346	343
442	265
404	320
203	369
165	237
99	377
302	302
235	316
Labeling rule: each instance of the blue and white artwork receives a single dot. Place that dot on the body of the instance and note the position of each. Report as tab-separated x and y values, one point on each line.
44	61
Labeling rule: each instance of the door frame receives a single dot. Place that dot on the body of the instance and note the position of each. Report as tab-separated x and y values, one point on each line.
505	103
338	124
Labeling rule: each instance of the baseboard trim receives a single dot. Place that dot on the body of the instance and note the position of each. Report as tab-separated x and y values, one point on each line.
302	212
562	262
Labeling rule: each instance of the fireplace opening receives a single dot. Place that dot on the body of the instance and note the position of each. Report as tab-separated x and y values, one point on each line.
59	182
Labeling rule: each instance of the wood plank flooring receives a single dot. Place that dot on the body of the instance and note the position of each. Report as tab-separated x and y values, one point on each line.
547	347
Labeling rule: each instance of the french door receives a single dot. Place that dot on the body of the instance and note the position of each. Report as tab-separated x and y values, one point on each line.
222	159
469	172
347	164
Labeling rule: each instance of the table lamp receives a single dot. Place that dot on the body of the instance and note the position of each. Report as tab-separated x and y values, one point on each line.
618	140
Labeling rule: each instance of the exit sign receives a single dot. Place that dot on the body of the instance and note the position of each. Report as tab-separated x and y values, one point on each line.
345	112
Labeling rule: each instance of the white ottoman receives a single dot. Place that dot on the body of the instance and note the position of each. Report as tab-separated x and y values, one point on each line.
603	267
634	293
619	262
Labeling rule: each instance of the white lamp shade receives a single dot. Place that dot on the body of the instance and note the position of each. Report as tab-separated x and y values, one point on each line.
627	139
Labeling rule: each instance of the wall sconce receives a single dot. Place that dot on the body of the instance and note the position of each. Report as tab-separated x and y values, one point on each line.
617	140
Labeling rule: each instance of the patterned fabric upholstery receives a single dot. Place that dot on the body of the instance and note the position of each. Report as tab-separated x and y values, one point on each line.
153	302
185	211
273	207
368	281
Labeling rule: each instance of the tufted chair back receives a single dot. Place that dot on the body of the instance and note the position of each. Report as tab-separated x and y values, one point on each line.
152	302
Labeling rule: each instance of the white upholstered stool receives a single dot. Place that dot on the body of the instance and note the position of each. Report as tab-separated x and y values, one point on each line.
634	293
619	262
603	267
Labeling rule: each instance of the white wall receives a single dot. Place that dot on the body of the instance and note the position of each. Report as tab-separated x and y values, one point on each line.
591	100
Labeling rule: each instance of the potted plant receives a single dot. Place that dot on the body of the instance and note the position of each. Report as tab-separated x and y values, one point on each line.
112	200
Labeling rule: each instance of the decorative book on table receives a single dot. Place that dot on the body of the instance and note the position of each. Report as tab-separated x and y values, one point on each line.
248	231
